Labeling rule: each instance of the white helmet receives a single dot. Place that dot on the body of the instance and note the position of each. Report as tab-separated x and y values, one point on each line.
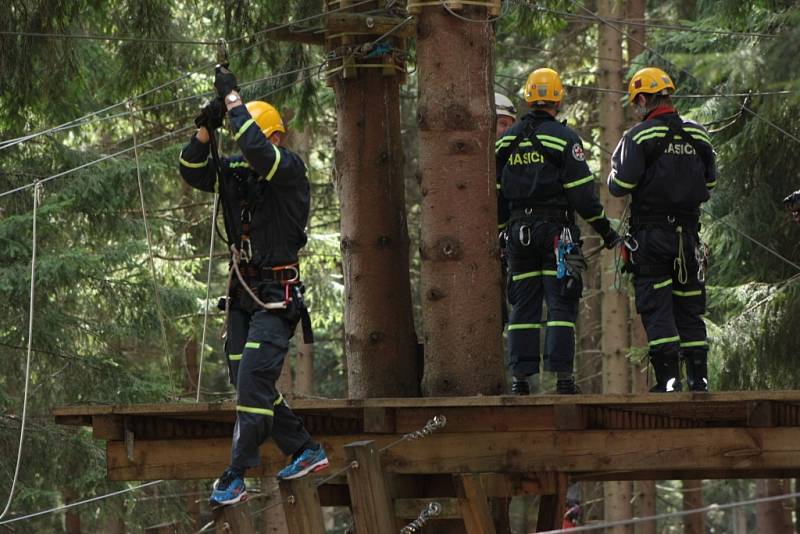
504	106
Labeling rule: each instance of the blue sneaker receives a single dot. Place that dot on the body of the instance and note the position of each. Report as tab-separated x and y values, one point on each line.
310	461
228	489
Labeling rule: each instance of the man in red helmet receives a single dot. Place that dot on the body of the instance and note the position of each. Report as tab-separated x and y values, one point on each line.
265	198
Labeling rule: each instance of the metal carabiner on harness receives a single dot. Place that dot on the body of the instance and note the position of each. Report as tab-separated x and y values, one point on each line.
701	255
525	235
246	250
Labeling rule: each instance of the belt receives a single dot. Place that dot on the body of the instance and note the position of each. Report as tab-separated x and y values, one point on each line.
287	274
688	221
546	213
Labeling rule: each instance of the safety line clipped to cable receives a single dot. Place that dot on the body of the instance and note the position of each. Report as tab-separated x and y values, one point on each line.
208	293
156	285
426	514
36	198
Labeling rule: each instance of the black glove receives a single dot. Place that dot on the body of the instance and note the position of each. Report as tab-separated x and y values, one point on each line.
611	238
211	115
224	81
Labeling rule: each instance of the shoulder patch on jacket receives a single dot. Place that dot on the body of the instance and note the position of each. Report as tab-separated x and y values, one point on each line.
578	153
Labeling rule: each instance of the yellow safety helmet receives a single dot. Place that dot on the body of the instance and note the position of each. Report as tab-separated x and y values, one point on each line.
266	116
652	81
543	85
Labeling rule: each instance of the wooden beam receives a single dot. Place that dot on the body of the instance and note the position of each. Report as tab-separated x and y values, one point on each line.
233	519
371	503
474	504
409	509
303	510
355	23
624	454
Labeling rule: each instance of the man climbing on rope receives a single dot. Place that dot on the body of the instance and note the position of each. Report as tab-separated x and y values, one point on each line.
667	165
265	198
793	204
542	167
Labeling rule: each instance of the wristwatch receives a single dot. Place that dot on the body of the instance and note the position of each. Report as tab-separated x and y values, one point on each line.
232	98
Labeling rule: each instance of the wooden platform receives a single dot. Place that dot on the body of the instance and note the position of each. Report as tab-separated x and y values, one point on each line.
599	437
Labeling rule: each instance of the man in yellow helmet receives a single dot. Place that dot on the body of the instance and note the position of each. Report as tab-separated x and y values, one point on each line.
265	198
542	167
667	165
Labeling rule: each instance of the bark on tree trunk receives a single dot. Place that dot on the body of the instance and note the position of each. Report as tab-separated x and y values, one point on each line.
772	516
380	341
693	498
72	518
615	340
274	519
460	277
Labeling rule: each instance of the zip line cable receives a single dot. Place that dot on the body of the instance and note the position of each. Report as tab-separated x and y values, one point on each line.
156	288
671	27
685	71
36	197
189	73
80	503
162	104
681	513
98	37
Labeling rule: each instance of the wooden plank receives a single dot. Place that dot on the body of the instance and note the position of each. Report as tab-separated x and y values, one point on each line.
620	454
337	23
474	504
233	519
379	421
371	503
302	506
760	414
479	419
409	509
108	427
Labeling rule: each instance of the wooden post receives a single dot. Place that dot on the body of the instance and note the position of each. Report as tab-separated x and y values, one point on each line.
301	503
692	499
273	520
233	519
371	503
473	503
553	506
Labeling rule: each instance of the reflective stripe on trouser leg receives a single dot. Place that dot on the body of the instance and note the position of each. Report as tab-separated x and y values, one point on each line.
654	305
559	342
689	304
260	410
238	321
524	323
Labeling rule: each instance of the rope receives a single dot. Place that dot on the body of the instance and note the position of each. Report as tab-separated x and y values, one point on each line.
682	513
689	74
208	292
36	197
96	37
156	289
80	503
4	145
672	27
429	512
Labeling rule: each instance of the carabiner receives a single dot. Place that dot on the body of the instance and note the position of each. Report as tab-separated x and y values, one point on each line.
525	235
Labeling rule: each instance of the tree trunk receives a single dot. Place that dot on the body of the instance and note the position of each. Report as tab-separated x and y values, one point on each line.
772	517
615	339
72	517
274	520
303	366
693	498
380	341
460	277
645	489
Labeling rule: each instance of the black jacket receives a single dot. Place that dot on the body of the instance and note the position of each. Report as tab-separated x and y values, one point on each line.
664	175
560	178
267	180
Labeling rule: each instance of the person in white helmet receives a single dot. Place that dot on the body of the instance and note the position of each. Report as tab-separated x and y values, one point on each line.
506	114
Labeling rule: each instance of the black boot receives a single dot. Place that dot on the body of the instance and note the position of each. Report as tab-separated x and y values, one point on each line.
696	362
567	386
520	386
668	371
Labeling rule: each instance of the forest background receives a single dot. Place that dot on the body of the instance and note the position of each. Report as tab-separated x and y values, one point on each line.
98	332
